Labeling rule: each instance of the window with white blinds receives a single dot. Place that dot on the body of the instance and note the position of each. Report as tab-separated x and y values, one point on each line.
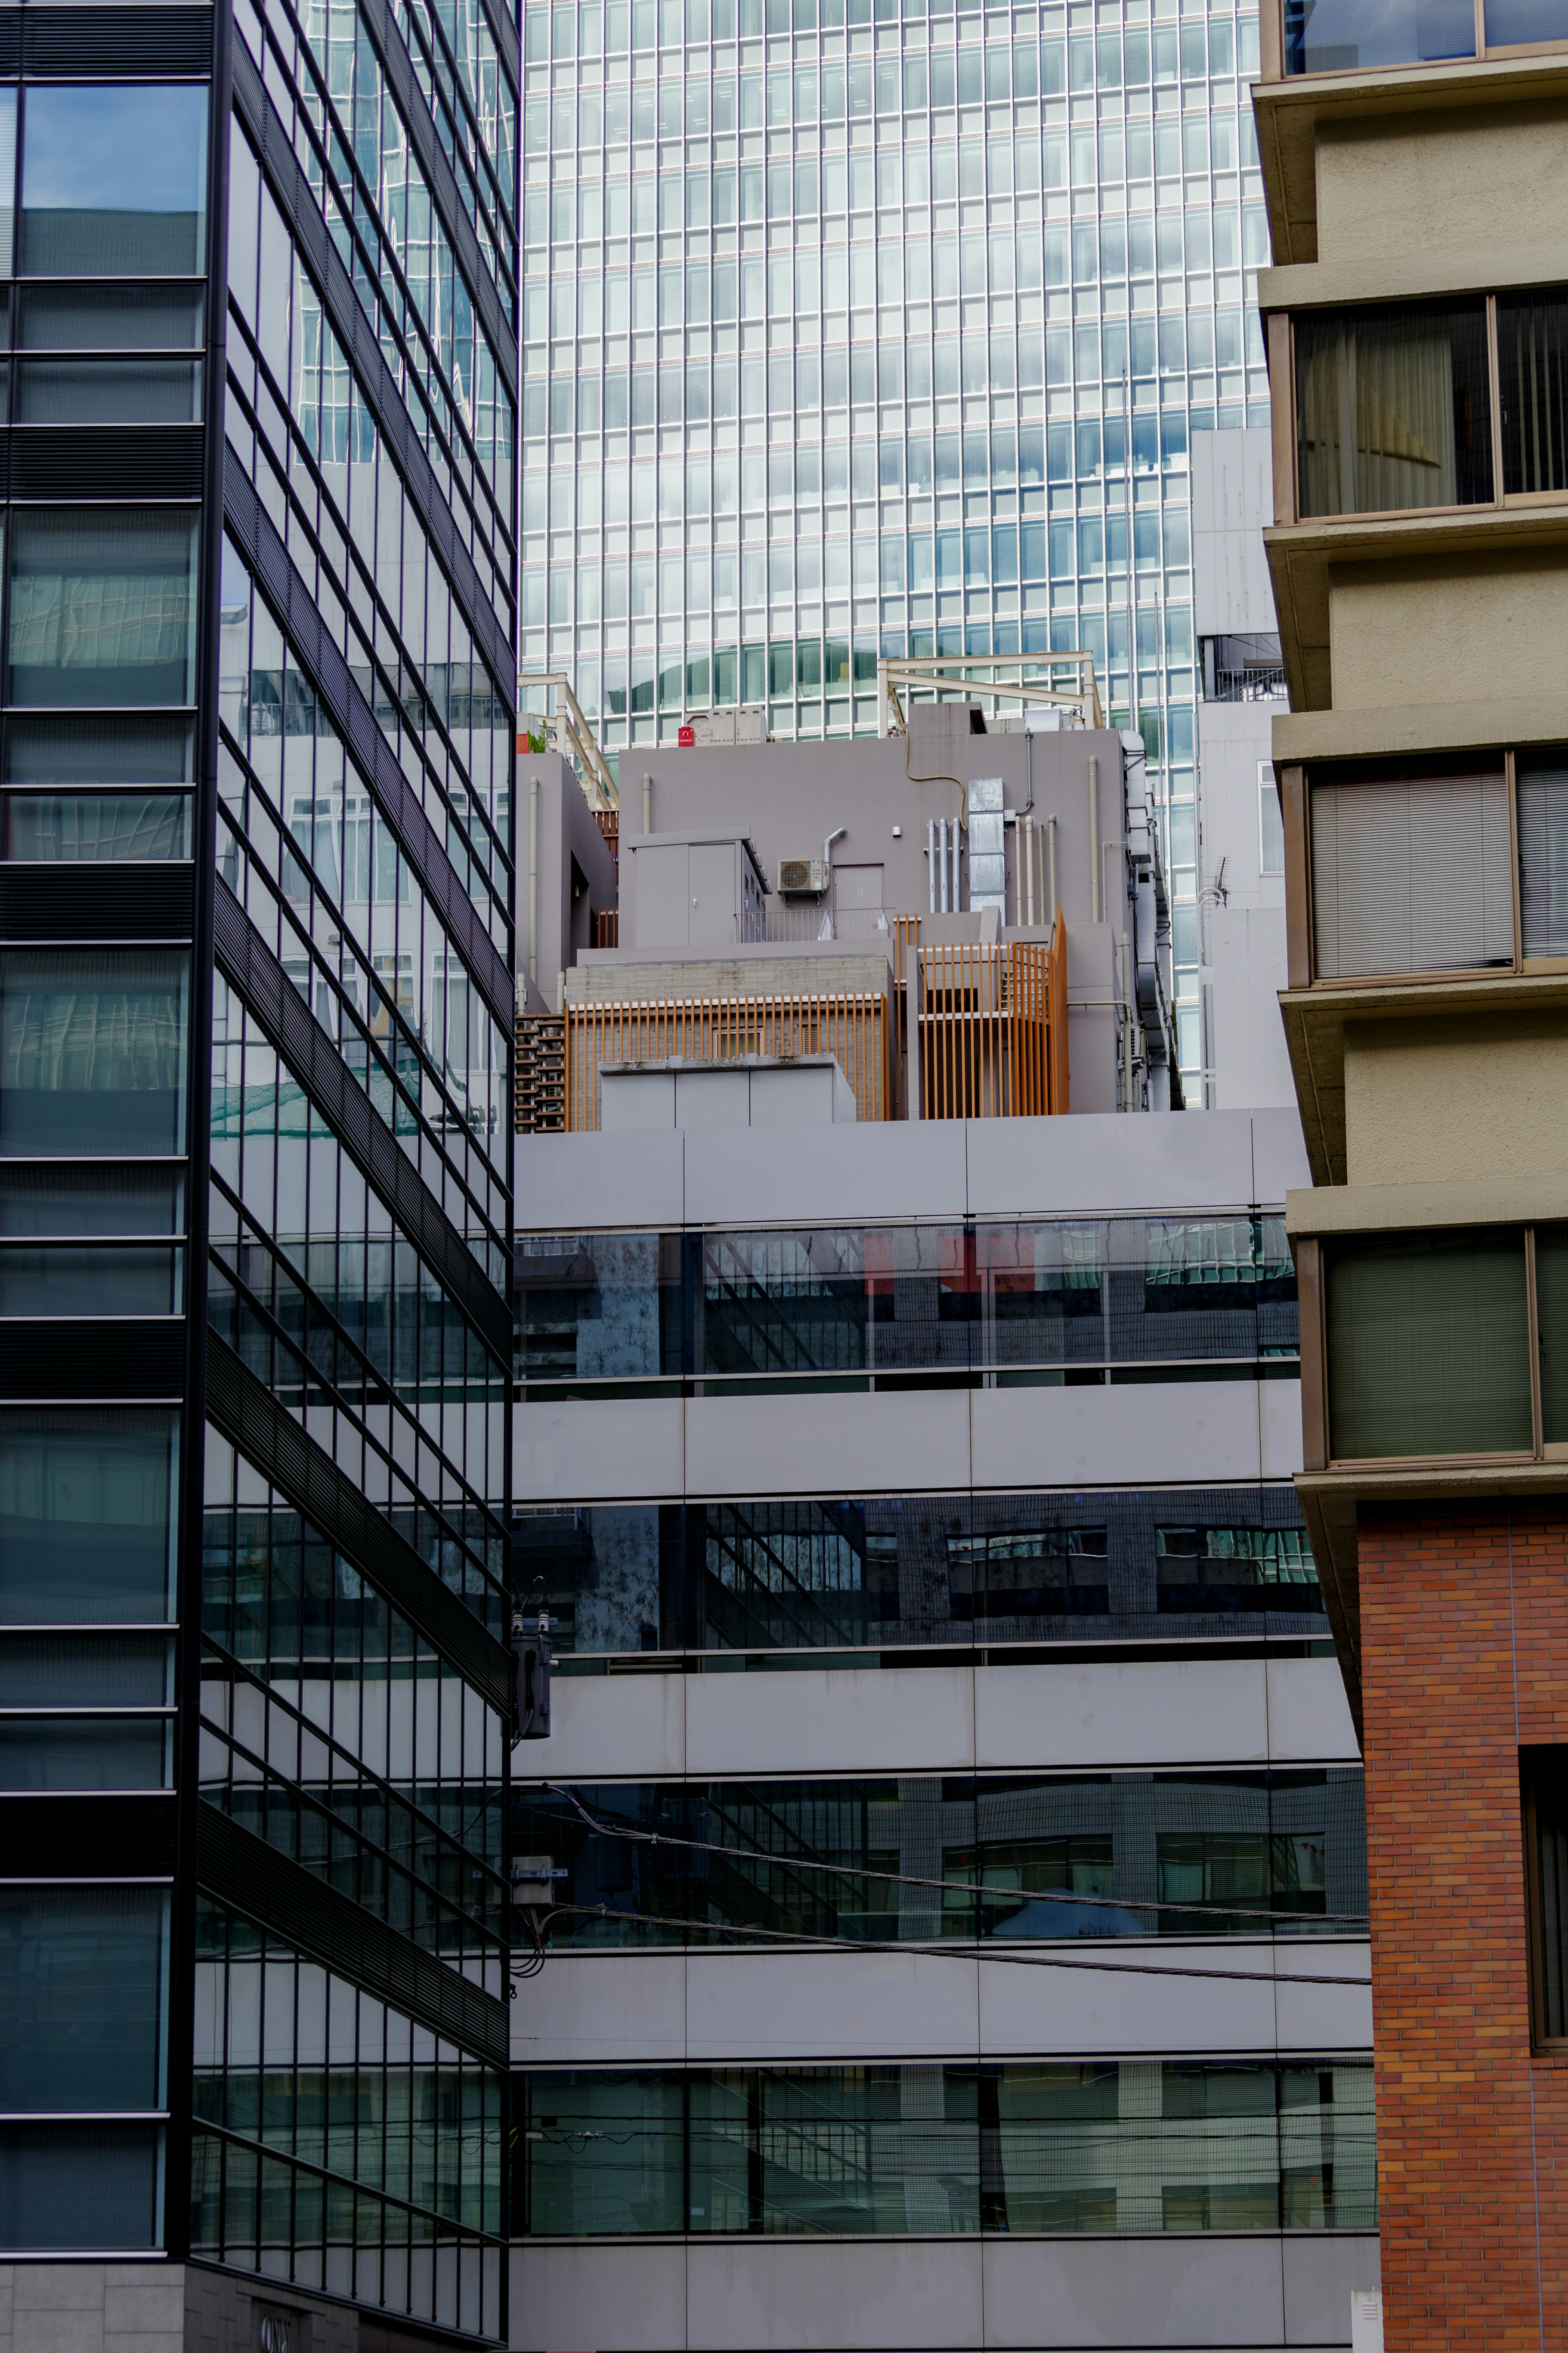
1411	874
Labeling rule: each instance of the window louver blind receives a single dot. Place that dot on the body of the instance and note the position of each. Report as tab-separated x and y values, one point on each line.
1411	875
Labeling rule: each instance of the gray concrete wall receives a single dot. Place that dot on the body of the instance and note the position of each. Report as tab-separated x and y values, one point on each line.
162	2308
1244	933
1233	501
789	797
572	875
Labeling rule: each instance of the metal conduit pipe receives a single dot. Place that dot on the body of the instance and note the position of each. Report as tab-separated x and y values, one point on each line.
647	802
957	871
931	863
1094	909
533	879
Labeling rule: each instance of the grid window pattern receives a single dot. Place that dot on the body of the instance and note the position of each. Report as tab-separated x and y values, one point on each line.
344	2148
1126	1854
935	2151
763	1581
785	278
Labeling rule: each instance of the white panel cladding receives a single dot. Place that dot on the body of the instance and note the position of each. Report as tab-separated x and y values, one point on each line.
612	2298
1203	2292
1173	1432
952	1719
564	1182
1174	1712
1321	2274
1200	2294
615	1728
872	1445
1279	1428
604	1449
814	2007
788	2296
1309	1714
901	1443
850	1720
1093	1164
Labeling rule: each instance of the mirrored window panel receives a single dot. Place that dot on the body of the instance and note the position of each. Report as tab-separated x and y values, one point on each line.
82	1989
757	1577
1071	1855
114	179
103	606
93	1051
46	828
885	2151
87	1516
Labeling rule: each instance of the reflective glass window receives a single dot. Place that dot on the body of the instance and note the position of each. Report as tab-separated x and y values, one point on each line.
114	179
87	1516
82	1992
93	1051
102	607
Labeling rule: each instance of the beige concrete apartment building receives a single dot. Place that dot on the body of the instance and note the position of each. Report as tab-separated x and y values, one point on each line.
1416	169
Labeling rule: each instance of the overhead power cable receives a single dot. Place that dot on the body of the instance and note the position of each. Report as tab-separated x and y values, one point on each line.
950	1950
953	1886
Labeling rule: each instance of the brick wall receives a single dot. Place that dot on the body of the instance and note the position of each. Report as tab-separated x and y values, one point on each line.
1465	1649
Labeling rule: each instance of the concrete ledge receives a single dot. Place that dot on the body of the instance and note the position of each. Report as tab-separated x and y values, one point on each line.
1383	1208
1313	285
1399	728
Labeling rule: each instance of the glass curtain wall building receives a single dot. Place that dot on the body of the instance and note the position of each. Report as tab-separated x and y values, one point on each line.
881	336
256	747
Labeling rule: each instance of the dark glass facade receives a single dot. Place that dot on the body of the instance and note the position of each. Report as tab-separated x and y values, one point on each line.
258	281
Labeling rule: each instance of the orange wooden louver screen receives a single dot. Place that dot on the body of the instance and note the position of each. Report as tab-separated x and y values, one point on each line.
851	1025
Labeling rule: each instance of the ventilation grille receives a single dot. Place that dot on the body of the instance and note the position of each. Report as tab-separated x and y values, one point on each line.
126	1837
71	901
95	461
87	1356
79	41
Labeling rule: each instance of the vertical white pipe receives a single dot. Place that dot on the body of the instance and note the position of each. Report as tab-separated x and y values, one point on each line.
1050	916
1093	839
647	802
533	879
931	863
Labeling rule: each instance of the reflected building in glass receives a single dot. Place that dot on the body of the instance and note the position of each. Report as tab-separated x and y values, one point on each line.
256	745
852	330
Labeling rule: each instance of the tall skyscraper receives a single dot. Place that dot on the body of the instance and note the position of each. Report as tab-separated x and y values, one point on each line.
256	994
843	338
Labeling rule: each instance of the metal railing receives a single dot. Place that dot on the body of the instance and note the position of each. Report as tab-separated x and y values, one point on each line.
1065	681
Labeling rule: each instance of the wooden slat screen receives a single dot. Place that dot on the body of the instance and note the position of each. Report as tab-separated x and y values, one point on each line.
994	1030
850	1025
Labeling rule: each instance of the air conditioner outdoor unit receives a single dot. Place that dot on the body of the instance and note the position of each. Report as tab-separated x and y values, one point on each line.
802	878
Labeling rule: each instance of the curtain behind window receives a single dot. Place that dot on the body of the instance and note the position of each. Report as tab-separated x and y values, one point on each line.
1532	376
1411	874
1541	791
1429	1344
1391	408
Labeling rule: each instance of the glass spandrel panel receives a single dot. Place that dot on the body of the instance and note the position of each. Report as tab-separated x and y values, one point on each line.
82	1992
1338	36
56	1198
87	1517
68	1279
1540	793
58	1753
1532	379
1392	409
7	181
92	1052
91	2189
114	181
107	392
1411	874
1429	1343
110	318
45	829
1512	24
102	607
56	1670
130	747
